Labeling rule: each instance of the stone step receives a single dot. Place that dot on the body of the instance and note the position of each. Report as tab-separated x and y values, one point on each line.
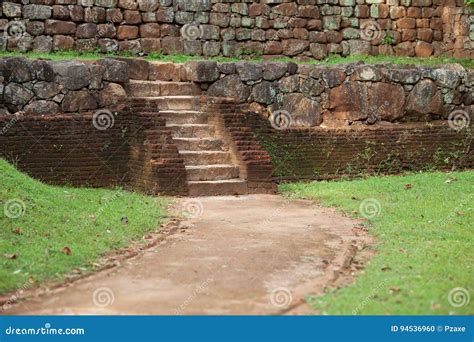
171	102
199	144
192	130
227	187
159	88
205	157
211	172
183	117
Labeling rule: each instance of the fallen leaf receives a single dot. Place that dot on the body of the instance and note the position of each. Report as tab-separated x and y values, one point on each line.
17	231
66	250
10	256
394	289
408	186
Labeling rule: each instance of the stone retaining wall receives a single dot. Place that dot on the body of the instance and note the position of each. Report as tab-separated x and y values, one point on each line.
304	28
45	88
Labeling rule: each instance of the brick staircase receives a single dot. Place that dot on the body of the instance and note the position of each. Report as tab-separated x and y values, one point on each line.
211	167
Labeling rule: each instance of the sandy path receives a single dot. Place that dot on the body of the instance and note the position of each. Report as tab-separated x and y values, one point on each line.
256	254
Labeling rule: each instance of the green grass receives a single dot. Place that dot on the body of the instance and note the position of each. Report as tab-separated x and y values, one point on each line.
87	221
331	60
425	239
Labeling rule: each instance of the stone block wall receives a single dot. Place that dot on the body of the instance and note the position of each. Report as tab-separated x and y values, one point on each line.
309	95
302	28
49	87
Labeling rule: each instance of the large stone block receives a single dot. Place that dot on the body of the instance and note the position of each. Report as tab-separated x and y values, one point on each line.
72	75
303	112
249	71
230	86
293	47
77	101
202	71
115	70
425	98
264	92
37	12
349	101
42	107
195	5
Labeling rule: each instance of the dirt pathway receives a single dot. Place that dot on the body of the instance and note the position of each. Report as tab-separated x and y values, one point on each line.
257	254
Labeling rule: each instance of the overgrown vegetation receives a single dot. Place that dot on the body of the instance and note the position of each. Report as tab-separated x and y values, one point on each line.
331	60
49	231
423	227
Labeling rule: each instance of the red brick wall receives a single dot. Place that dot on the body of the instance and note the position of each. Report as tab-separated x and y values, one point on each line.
67	148
319	153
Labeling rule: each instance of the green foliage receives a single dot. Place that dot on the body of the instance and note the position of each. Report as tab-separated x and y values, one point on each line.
86	221
253	57
388	39
424	242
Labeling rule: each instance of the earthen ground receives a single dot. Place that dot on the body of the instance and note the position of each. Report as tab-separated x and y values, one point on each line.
255	254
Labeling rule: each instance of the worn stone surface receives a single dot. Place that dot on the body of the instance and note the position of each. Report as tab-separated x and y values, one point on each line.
307	28
42	107
386	101
249	71
111	95
76	101
72	75
230	86
200	71
425	98
264	92
303	111
115	70
349	101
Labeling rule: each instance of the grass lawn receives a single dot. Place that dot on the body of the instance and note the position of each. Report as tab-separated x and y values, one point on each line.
425	242
59	229
330	60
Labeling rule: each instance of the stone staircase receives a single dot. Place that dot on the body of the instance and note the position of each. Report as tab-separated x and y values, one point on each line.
211	168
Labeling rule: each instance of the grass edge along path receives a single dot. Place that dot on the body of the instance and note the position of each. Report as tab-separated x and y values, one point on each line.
423	225
48	231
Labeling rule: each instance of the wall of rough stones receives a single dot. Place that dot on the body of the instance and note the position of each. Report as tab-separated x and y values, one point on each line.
303	28
305	94
51	87
351	94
